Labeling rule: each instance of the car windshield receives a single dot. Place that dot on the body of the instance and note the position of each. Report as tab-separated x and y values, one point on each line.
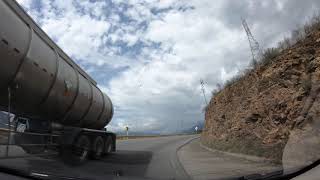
159	89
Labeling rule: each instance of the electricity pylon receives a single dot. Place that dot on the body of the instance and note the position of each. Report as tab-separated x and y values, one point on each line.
203	91
254	45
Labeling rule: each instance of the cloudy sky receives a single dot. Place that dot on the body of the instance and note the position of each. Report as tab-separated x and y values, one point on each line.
149	55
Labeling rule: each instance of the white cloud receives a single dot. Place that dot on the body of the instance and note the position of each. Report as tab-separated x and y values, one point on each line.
79	29
178	43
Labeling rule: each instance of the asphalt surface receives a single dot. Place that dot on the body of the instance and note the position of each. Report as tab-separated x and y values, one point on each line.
154	158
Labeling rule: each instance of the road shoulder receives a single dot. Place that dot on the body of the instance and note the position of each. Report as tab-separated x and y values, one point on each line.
202	163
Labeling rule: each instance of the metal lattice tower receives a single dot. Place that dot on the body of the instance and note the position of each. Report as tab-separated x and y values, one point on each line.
203	91
254	45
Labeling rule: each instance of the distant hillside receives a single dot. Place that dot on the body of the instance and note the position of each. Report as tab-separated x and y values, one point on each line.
256	111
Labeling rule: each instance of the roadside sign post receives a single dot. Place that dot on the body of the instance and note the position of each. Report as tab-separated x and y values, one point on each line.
127	131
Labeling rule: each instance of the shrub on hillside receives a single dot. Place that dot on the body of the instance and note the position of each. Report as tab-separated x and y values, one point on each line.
297	35
268	55
216	91
284	44
313	25
233	80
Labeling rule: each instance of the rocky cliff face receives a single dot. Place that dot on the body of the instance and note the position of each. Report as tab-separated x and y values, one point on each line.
256	114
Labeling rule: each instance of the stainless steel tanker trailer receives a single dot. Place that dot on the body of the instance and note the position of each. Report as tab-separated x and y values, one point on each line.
57	105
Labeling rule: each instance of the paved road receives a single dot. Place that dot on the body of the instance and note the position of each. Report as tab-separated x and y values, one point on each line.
154	158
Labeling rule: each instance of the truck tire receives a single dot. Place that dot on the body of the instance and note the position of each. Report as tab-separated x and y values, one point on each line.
78	153
108	145
97	148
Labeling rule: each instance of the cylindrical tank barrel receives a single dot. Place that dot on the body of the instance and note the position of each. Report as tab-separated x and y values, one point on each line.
45	81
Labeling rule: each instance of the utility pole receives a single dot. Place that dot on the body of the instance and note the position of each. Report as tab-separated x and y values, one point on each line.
254	45
203	91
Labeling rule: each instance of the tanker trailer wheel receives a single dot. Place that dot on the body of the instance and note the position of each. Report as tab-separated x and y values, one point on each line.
97	148
108	145
78	153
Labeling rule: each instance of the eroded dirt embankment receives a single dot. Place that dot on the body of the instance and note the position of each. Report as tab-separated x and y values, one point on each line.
257	114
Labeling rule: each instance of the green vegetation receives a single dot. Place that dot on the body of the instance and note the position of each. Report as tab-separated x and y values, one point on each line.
268	55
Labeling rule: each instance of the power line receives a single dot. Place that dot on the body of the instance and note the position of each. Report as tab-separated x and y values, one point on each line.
203	91
254	45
